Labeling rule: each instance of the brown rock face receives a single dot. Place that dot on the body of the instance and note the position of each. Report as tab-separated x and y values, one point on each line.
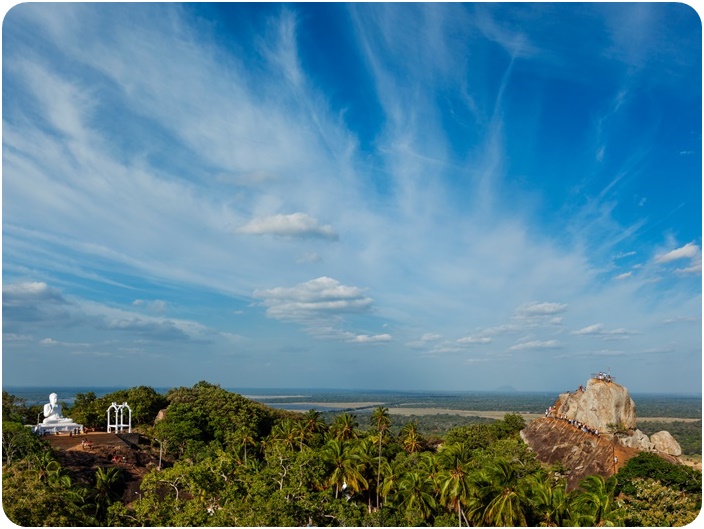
582	454
600	404
664	442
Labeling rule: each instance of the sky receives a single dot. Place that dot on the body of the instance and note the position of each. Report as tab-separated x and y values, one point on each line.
375	196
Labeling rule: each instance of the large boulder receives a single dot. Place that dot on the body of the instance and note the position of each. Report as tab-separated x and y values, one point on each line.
638	440
160	416
600	405
664	442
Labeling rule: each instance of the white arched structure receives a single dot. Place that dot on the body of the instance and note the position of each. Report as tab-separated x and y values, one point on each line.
116	418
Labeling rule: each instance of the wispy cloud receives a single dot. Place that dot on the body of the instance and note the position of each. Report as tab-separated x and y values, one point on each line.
148	157
598	330
536	344
39	304
293	225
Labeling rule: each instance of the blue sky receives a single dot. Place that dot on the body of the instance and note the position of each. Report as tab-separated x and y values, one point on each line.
425	196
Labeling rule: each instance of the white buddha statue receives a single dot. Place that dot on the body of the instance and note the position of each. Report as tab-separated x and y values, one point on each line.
52	411
53	421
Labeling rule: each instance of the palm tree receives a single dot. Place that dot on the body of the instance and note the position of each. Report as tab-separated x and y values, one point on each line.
501	499
108	484
455	485
365	449
245	436
549	500
346	466
285	433
301	433
343	427
415	492
314	422
595	502
46	465
391	476
410	438
381	421
428	464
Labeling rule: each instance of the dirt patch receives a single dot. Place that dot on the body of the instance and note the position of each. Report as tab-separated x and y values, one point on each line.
694	462
83	461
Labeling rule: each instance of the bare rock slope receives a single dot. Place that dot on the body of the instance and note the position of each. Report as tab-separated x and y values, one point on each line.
581	454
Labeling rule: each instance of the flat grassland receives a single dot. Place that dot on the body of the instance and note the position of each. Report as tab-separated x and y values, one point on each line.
489	414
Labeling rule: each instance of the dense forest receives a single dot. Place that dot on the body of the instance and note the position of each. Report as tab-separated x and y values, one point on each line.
225	460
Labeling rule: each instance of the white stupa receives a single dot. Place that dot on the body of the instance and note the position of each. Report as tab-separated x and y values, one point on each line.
53	420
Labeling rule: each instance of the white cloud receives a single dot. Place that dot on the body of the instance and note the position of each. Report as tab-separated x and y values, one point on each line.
535	310
155	305
472	340
696	268
625	275
591	329
323	296
29	293
430	337
52	342
682	319
293	225
598	330
624	254
689	250
536	344
608	352
365	338
501	330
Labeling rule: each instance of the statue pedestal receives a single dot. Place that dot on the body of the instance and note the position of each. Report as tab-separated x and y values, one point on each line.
52	427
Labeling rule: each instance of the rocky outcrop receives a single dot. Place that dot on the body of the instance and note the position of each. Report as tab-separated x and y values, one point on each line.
600	405
665	443
603	406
